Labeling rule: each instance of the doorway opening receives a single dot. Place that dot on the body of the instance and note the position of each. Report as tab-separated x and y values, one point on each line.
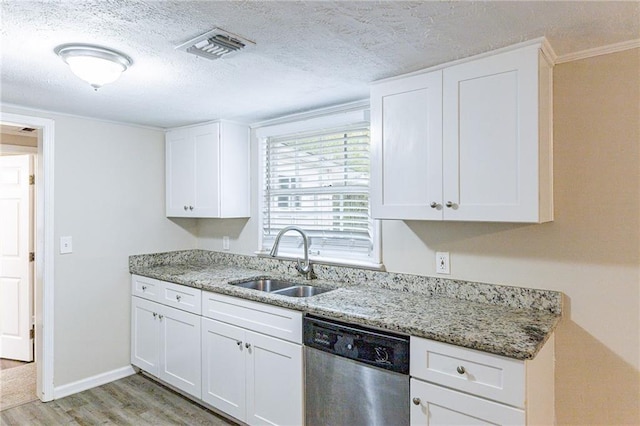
40	250
18	148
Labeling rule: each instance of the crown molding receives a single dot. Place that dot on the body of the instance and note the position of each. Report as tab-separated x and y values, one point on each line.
597	51
22	109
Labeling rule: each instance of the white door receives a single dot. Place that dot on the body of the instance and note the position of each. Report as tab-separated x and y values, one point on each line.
438	406
180	350
406	148
490	133
16	272
145	335
275	384
223	367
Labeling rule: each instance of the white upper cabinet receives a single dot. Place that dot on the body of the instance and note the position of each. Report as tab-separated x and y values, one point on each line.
478	147
406	130
207	171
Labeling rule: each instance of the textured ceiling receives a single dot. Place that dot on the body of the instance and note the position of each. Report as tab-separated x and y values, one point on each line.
308	54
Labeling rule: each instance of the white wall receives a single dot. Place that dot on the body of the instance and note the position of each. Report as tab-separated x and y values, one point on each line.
591	252
109	196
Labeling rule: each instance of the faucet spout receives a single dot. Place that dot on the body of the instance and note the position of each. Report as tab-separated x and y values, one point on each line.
304	267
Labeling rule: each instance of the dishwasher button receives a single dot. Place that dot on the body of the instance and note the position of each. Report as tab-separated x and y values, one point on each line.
345	346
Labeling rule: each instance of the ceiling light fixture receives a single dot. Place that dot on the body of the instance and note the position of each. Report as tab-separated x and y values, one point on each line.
94	64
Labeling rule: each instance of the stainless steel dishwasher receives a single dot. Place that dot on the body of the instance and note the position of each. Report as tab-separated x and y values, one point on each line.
354	375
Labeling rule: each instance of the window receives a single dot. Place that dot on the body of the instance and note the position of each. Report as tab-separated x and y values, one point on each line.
319	181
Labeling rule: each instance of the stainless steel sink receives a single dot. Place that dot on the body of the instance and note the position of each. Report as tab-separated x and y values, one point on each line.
281	287
265	284
302	291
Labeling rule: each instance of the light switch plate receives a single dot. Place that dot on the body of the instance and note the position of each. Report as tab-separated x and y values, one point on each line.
225	243
66	245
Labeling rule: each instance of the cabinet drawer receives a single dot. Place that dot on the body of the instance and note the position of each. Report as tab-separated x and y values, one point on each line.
478	373
182	297
147	288
262	318
435	405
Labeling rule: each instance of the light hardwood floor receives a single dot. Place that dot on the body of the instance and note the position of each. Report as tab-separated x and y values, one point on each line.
134	400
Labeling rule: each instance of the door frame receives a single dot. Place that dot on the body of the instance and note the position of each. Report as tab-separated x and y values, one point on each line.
44	238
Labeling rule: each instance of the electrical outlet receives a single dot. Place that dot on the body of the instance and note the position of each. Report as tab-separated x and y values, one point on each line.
225	243
442	263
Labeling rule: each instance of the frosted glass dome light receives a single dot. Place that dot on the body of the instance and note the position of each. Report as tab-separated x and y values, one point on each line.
94	64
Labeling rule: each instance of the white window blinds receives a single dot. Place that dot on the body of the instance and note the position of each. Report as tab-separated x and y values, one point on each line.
319	182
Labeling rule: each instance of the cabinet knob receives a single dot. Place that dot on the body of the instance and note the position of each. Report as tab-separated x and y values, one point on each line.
239	342
160	316
433	205
461	370
247	345
416	401
155	314
190	207
449	204
186	208
178	297
144	287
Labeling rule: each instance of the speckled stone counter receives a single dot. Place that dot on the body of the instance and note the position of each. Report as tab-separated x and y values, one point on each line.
503	320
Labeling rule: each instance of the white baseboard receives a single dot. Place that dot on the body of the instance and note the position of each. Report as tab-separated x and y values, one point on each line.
92	382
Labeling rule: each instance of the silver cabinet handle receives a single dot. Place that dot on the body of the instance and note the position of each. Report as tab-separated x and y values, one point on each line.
449	204
160	316
461	370
416	401
186	208
247	345
155	314
178	297
433	205
144	287
239	342
191	208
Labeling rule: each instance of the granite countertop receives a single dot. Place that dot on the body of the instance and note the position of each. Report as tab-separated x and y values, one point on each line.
517	333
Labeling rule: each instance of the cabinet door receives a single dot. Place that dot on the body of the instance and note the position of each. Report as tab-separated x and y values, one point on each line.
180	173
274	381
223	367
145	337
441	406
406	148
235	186
180	350
490	132
206	187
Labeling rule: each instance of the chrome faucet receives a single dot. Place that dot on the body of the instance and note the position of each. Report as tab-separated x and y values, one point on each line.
305	267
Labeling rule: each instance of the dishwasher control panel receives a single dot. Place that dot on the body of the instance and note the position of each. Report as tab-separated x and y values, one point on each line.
380	349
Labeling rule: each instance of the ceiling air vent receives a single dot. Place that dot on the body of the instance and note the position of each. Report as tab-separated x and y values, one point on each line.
215	44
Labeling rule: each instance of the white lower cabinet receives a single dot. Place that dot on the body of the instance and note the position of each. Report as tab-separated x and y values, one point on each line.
252	360
241	357
223	367
435	405
250	376
165	342
451	385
